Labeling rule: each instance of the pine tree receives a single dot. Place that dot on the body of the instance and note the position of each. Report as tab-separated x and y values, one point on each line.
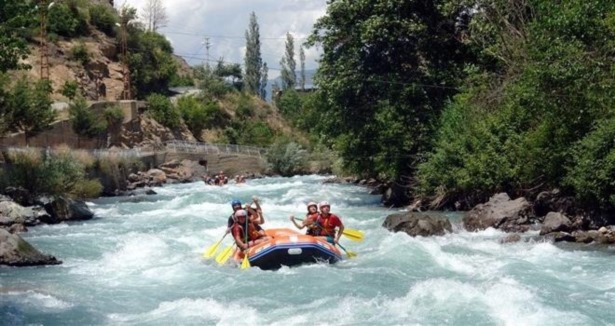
253	60
302	60
264	73
288	64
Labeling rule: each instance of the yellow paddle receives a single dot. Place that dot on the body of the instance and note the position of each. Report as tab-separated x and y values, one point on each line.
225	255
352	234
246	262
349	253
211	251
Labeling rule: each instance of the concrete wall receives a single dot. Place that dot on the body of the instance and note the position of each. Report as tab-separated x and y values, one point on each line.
61	132
231	164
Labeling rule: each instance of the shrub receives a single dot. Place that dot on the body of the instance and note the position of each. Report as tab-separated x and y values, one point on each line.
103	18
591	171
62	21
286	158
163	111
114	169
90	188
70	89
80	54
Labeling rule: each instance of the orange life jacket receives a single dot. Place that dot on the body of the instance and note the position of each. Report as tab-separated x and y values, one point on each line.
324	226
252	232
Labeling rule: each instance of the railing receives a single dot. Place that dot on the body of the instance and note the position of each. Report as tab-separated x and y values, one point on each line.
196	147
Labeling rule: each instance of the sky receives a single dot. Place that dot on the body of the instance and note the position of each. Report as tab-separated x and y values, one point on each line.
225	23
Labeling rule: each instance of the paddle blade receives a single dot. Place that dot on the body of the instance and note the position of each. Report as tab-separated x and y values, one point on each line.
245	264
211	251
354	235
351	254
223	257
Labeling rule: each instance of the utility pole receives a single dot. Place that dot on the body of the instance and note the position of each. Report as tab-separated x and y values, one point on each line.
43	9
207	45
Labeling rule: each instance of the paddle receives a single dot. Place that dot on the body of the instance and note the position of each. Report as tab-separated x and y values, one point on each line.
225	255
349	253
211	251
352	234
246	263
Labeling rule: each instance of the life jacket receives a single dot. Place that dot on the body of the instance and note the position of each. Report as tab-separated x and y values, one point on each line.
324	227
311	228
252	231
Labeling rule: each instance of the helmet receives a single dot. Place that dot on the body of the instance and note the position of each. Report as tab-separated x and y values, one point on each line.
241	212
235	202
324	203
311	204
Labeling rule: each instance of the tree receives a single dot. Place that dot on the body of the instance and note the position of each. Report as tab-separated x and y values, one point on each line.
83	121
253	60
387	69
302	60
288	64
30	108
264	73
15	18
155	15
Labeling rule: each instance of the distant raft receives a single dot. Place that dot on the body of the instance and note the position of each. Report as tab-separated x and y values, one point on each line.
289	248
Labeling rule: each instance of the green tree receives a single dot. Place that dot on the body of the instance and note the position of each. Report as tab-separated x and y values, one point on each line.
15	18
253	61
152	66
83	121
70	89
302	62
288	64
30	108
163	111
194	114
387	69
264	81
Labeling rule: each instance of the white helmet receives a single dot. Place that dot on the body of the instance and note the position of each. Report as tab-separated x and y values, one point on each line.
311	204
323	204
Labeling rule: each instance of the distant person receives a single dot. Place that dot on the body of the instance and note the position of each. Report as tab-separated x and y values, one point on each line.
310	219
243	229
327	223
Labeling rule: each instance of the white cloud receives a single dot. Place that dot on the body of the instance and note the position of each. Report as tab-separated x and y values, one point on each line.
225	22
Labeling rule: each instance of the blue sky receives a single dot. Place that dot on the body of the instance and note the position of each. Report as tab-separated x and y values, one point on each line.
225	23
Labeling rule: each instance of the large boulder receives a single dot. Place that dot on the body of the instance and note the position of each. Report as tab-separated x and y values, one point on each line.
501	213
63	209
417	224
555	222
15	251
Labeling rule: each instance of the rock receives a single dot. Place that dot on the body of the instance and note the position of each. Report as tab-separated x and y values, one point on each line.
11	213
17	228
150	192
15	251
561	236
553	201
511	238
417	224
19	195
501	213
63	209
396	195
555	222
156	177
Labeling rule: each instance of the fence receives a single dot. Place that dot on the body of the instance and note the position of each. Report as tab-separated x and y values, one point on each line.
196	147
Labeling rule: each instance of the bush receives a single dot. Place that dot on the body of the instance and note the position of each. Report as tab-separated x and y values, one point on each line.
163	111
245	106
62	21
91	188
104	18
194	114
70	89
114	170
80	54
286	158
591	171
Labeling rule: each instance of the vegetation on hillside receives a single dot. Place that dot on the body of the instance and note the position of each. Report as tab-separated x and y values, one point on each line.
460	99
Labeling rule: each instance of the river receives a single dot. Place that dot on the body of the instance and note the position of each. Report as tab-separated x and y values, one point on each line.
139	262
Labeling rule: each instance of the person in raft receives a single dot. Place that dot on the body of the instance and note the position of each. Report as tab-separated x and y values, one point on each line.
326	223
256	215
255	234
310	219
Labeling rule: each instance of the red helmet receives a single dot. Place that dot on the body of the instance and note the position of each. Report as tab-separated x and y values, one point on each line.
323	204
311	204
